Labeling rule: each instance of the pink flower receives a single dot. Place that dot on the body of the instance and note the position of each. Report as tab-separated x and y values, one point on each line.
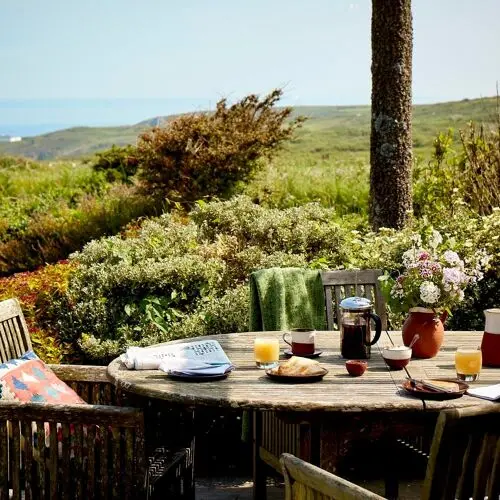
424	255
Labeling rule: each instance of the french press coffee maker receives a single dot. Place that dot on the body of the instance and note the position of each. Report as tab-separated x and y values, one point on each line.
355	331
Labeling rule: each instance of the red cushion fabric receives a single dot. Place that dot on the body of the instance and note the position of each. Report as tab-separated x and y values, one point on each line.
29	379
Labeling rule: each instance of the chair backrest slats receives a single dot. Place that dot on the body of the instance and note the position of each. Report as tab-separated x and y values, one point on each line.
39	480
14	335
494	482
465	456
341	284
53	451
15	472
27	430
484	465
89	451
4	460
66	455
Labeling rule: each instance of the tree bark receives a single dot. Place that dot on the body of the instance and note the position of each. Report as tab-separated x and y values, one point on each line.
391	136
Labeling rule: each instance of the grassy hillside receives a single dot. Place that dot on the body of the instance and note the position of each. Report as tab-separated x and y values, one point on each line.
330	129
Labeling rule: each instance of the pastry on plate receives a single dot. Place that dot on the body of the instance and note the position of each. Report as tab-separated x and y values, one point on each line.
443	384
298	367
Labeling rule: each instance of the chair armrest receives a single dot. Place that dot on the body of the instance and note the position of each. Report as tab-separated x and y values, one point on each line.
306	481
72	414
91	383
81	373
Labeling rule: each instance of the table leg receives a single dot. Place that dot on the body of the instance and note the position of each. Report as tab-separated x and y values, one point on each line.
391	472
259	467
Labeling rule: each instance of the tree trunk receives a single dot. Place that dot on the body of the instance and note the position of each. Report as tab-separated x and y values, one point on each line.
391	138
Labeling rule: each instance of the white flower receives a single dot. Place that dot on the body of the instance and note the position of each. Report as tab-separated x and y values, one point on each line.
416	239
411	256
451	257
429	292
435	240
453	276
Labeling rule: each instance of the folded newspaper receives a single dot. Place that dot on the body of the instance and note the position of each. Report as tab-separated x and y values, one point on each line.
203	357
491	392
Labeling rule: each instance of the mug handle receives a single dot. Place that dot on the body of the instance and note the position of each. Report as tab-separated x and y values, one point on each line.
378	329
286	341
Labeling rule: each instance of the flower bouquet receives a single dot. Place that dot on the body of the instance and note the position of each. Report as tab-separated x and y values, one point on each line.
431	283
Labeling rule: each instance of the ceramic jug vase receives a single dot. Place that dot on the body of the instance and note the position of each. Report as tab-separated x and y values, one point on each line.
429	326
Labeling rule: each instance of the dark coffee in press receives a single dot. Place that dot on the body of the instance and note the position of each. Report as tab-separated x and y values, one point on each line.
353	341
355	335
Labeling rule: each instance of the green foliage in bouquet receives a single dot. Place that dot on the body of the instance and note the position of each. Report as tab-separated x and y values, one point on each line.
175	277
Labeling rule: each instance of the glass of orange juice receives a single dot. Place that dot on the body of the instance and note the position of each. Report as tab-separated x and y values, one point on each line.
267	352
468	363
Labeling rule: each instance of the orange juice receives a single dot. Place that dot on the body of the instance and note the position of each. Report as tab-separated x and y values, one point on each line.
468	363
267	352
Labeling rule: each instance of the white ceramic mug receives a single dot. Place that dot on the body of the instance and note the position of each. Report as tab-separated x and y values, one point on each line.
302	341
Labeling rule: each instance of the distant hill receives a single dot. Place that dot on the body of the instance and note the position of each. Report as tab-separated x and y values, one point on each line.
345	128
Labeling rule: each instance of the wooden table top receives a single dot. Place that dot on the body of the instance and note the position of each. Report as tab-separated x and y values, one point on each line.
250	388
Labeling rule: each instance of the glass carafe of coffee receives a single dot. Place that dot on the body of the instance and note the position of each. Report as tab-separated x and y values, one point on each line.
355	332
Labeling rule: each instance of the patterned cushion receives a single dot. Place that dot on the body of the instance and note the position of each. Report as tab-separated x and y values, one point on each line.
29	379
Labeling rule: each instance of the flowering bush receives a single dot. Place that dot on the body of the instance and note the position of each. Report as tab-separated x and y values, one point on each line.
433	277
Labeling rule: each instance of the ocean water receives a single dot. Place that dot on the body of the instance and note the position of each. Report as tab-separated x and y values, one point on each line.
28	117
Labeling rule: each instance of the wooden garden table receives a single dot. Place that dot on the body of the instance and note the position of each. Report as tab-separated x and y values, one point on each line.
314	421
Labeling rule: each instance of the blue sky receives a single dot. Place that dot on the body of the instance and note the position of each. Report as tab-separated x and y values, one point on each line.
195	51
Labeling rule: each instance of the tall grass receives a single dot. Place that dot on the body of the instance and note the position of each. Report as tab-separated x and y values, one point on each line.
28	189
48	210
331	179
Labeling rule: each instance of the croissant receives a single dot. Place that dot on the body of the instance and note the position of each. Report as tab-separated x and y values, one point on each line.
297	366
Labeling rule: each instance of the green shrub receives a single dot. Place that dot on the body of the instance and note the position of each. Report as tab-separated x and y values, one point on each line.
469	176
117	163
470	236
36	292
13	162
308	230
175	277
179	277
208	154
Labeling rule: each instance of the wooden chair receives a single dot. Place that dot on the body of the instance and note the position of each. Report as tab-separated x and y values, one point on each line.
97	450
341	284
14	336
306	481
278	436
464	463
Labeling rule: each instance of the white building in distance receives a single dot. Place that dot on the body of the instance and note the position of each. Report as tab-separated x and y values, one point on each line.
10	138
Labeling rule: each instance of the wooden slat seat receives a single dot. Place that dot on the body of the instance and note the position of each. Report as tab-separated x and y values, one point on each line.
97	450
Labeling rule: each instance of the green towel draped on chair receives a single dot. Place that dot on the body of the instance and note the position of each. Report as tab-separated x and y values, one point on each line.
284	298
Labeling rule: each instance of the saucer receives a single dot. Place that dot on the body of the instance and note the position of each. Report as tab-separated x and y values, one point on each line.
197	378
296	379
288	353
